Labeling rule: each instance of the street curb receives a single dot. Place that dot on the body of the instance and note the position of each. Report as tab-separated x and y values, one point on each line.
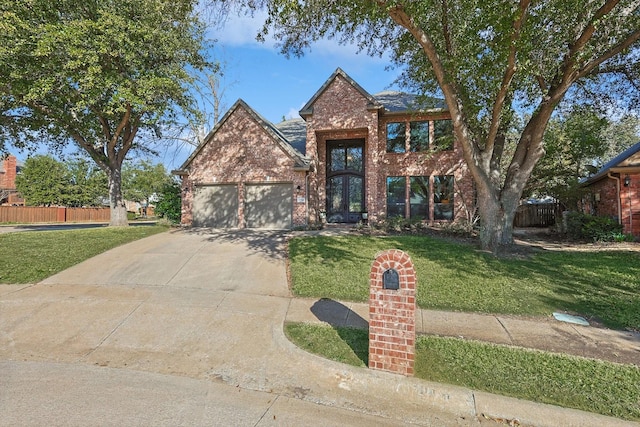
540	414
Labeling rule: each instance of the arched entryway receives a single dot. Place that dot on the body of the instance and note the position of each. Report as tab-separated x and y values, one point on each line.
345	180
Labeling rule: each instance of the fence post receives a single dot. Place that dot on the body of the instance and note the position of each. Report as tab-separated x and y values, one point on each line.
61	215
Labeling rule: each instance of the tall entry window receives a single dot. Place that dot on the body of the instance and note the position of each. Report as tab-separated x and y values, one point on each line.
345	180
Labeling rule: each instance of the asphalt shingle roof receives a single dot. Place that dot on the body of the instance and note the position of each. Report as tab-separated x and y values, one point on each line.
295	132
394	101
613	163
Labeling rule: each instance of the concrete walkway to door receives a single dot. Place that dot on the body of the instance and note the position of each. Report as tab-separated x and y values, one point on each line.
178	328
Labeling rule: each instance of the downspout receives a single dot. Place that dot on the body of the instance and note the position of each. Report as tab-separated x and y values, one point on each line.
617	180
306	197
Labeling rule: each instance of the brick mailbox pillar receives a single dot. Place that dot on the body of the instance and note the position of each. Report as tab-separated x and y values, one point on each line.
392	307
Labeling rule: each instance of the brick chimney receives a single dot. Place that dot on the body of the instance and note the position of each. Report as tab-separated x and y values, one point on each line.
8	173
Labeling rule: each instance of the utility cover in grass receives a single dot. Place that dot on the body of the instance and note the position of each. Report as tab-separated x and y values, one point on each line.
571	319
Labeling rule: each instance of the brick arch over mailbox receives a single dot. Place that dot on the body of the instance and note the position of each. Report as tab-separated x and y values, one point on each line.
392	322
397	260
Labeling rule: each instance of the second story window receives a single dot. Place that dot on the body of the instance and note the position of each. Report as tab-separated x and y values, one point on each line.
396	137
419	136
442	135
423	135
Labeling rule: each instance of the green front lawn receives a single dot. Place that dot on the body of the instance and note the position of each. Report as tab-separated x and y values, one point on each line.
573	382
604	285
31	256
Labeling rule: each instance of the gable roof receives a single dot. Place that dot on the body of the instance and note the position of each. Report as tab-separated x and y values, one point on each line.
307	110
625	161
300	161
388	100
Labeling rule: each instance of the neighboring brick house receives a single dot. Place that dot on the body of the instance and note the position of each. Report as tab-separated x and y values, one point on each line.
9	168
352	156
614	191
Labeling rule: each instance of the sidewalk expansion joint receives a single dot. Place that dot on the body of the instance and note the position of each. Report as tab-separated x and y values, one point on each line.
267	411
183	264
505	329
474	404
106	337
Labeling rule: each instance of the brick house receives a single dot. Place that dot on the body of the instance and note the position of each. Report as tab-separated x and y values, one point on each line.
614	191
9	168
352	156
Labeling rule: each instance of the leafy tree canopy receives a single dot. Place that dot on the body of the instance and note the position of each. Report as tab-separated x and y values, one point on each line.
487	59
104	75
45	181
142	180
621	134
88	184
575	145
42	181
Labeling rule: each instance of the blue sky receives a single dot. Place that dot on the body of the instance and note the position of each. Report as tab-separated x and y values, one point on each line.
276	86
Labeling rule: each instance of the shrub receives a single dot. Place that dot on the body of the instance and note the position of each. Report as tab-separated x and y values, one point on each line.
597	228
398	224
169	205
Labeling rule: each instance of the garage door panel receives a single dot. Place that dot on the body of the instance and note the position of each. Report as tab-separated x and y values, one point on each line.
269	205
216	206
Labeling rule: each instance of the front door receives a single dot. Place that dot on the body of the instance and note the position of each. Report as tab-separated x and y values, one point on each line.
345	180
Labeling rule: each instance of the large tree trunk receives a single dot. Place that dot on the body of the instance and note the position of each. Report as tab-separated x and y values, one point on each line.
116	202
496	223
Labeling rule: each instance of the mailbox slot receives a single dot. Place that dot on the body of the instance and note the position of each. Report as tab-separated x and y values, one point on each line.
391	280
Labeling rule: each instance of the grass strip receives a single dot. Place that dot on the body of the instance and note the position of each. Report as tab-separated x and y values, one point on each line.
602	285
573	382
31	256
345	345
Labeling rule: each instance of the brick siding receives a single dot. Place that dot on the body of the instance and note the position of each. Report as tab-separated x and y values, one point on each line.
8	172
242	152
392	327
342	112
625	208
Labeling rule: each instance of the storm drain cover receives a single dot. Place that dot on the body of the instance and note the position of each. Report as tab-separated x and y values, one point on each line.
571	319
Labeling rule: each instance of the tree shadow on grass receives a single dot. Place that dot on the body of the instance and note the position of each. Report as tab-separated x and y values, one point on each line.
350	326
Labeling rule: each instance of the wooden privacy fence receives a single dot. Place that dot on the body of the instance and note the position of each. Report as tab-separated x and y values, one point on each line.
31	215
536	215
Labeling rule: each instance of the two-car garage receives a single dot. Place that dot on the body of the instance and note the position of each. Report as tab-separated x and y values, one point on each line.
264	205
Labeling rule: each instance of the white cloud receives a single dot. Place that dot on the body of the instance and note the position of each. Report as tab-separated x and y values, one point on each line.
241	30
293	113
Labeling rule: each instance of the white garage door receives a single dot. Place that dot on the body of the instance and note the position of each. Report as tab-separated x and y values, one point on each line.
215	206
268	205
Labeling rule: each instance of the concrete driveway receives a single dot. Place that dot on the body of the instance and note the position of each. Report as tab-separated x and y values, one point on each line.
186	328
168	329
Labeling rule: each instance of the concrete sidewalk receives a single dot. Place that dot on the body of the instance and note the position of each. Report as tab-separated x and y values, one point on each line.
174	329
537	333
